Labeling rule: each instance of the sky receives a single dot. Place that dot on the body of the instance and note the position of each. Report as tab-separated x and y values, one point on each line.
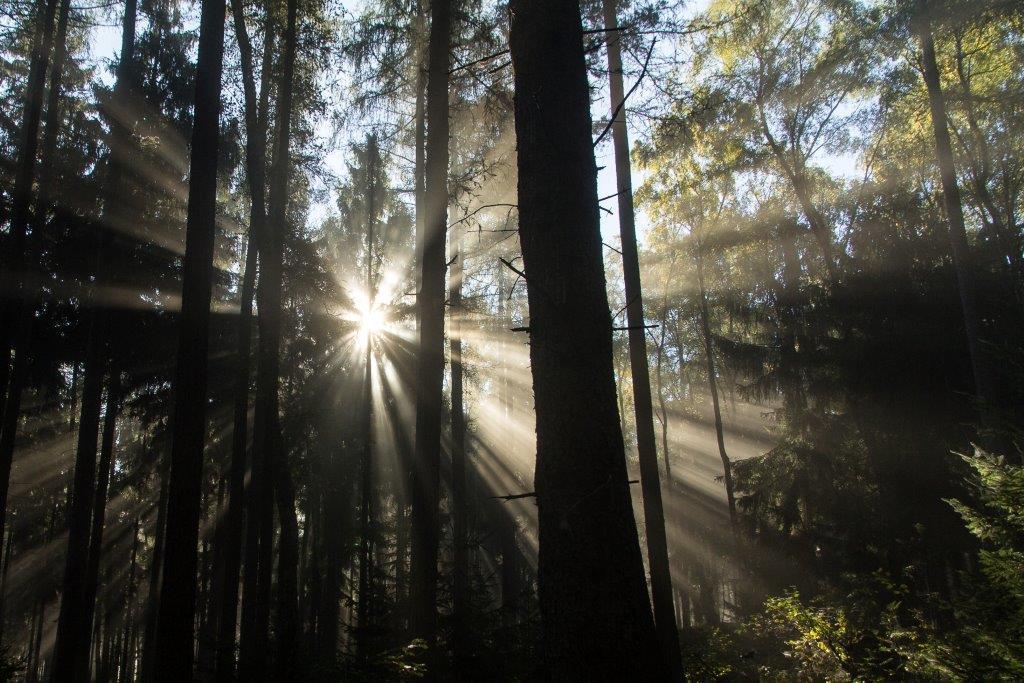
104	46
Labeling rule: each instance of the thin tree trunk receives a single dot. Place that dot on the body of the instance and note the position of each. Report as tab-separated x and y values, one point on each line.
16	314
155	574
73	630
36	636
21	200
129	604
709	353
954	209
510	588
99	510
595	613
430	322
188	428
100	321
460	537
268	373
643	410
3	582
363	608
255	158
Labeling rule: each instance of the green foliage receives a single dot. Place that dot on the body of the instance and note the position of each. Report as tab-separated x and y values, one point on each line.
873	631
987	642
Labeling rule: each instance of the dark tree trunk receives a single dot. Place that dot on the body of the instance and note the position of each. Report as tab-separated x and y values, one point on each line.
99	510
255	160
269	369
14	261
129	603
509	528
596	617
366	487
155	575
709	353
460	538
176	614
327	619
954	209
100	321
643	410
430	322
73	630
16	312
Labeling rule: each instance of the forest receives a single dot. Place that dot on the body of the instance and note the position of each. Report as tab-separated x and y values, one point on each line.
511	340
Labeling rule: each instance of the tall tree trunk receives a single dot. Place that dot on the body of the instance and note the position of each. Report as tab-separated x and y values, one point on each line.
709	353
73	630
129	604
366	486
954	209
155	574
99	511
430	322
460	536
595	613
982	173
509	528
16	313
15	260
255	159
643	410
188	428
3	581
269	369
100	321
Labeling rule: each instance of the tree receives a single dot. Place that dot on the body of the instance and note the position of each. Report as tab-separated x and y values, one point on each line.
430	323
14	317
188	437
954	209
268	437
256	104
654	514
594	609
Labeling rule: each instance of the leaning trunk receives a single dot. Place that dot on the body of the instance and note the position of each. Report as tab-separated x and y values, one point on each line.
954	208
709	353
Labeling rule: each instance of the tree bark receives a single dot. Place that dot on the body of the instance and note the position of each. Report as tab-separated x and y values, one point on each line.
709	353
954	209
255	159
366	486
595	613
72	629
460	537
643	410
99	511
188	428
430	322
17	313
268	374
21	200
155	575
129	604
